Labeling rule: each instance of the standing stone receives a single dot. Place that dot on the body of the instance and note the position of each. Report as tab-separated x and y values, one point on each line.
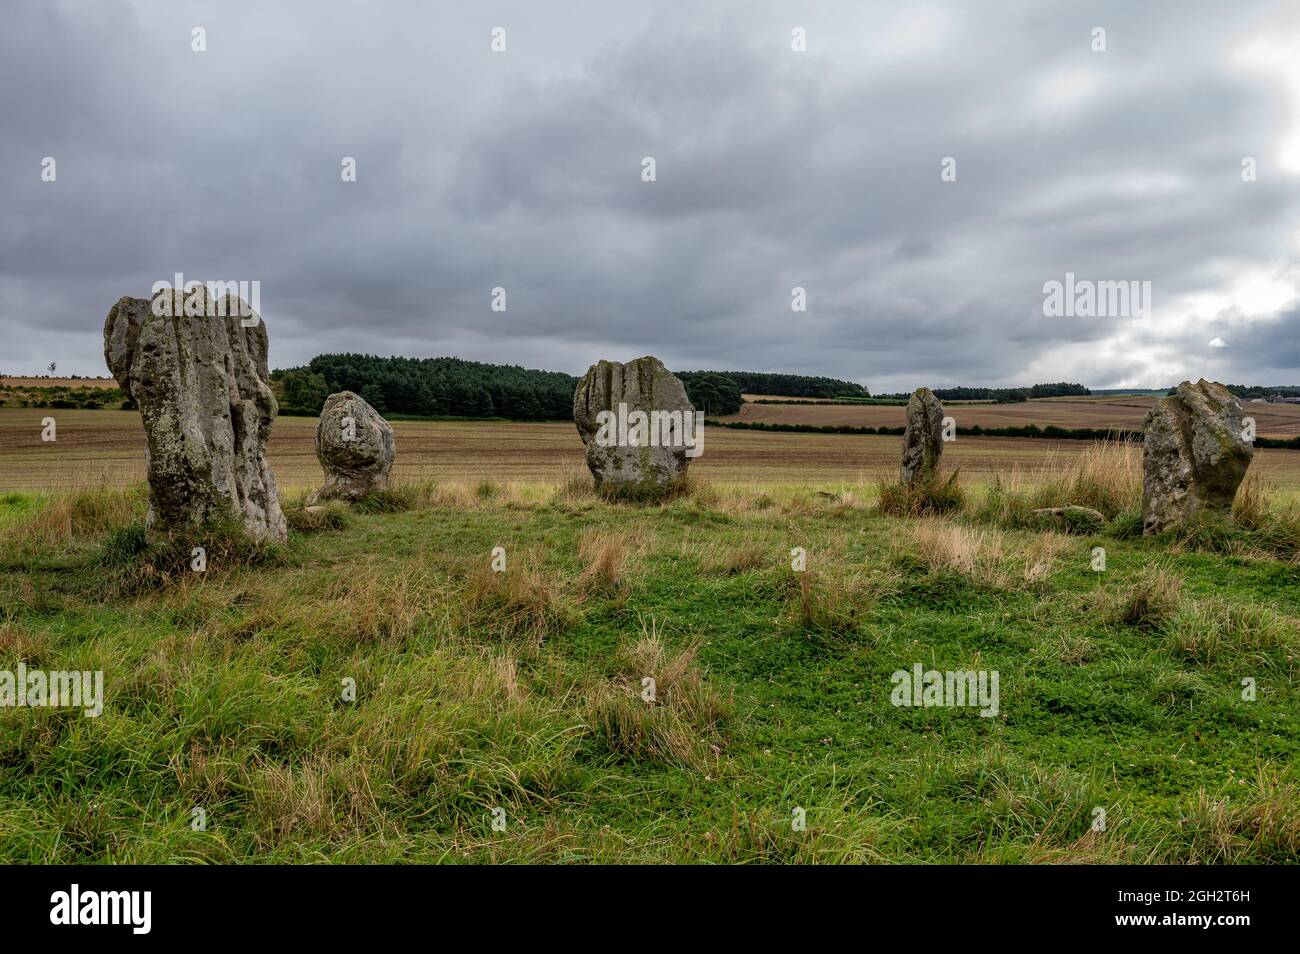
923	438
620	458
197	370
1193	455
354	445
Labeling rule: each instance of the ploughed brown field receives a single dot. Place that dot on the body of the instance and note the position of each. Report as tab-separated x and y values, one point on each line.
95	447
1124	413
10	381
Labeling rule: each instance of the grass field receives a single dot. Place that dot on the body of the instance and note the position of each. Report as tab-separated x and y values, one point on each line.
107	447
522	691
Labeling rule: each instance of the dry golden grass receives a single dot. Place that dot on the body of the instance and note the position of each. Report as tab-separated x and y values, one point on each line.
1039	558
605	556
726	559
1106	476
520	602
658	706
975	553
1264	822
87	511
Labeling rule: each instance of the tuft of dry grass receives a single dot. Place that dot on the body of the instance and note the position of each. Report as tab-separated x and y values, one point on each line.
72	516
1151	600
1262	824
658	706
1073	650
686	487
1252	507
373	603
833	610
1210	629
950	546
605	555
1039	558
936	495
518	602
725	559
21	644
1106	476
329	516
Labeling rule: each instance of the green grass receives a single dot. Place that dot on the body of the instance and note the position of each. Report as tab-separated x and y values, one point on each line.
522	690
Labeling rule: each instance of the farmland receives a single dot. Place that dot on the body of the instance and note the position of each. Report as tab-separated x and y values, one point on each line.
9	381
1120	412
107	447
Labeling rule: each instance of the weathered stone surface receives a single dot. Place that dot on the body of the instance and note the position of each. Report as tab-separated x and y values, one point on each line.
1074	517
645	386
1193	455
354	445
205	399
923	439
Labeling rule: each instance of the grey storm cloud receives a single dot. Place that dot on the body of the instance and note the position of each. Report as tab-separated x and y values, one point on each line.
775	169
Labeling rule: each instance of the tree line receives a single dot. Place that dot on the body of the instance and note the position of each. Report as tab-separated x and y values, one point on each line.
1006	395
785	385
453	387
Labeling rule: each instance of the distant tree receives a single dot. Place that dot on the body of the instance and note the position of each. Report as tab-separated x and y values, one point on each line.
785	385
448	386
713	393
303	390
53	368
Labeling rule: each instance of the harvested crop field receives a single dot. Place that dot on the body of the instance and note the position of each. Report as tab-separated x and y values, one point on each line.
95	447
1123	413
9	381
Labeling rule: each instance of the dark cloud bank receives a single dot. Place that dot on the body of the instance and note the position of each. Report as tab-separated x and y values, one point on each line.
775	168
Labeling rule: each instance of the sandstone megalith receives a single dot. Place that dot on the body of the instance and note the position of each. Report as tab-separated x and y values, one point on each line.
923	438
1194	455
639	427
354	445
197	370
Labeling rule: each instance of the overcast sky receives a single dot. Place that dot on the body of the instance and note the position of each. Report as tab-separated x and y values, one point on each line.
775	168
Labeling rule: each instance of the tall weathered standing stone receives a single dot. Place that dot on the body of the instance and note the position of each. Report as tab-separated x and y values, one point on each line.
355	446
619	457
923	438
1194	455
198	372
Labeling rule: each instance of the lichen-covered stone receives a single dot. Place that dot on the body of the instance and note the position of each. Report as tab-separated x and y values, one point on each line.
1194	455
205	398
643	385
355	446
923	438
